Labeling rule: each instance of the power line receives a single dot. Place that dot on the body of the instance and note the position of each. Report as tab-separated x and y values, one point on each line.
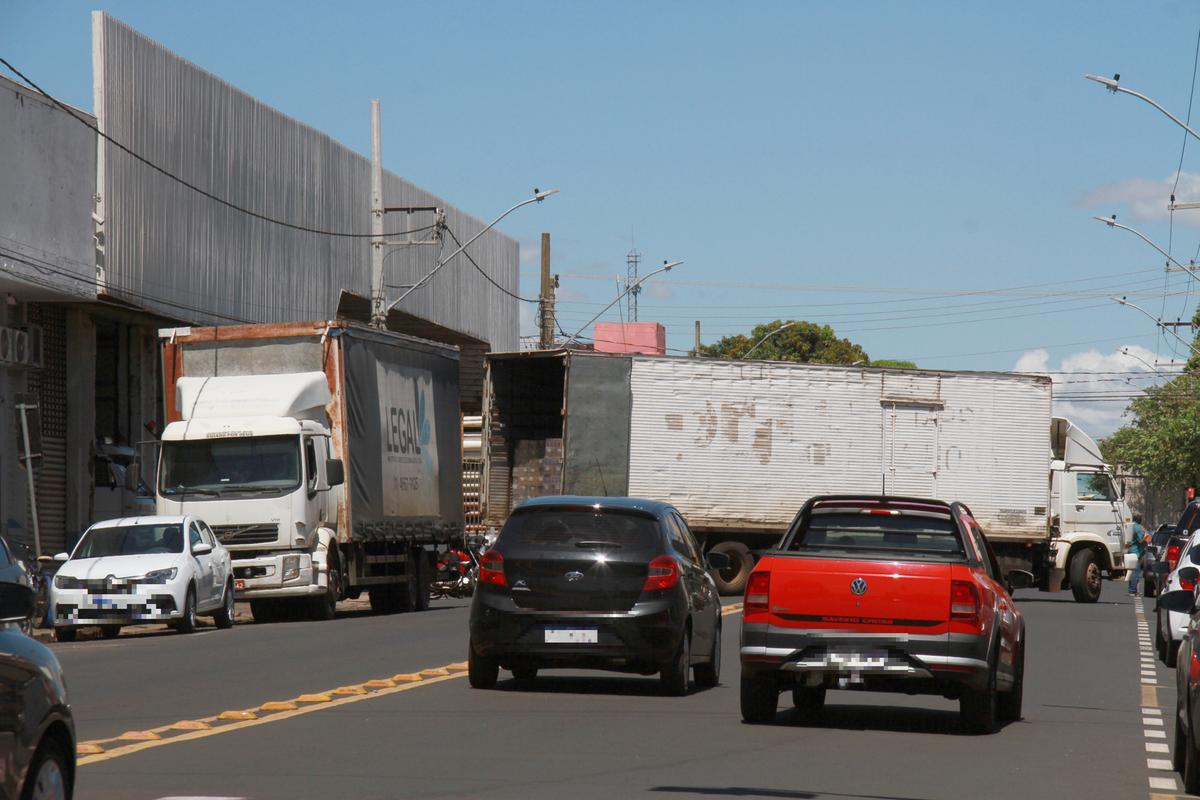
484	274
202	192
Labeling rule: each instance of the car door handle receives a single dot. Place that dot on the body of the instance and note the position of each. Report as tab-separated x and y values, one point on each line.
1079	507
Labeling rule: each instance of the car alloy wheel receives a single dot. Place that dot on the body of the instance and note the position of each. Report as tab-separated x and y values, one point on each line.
48	776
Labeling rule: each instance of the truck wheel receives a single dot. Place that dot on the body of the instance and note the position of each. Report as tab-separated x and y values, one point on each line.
732	579
1085	576
482	672
760	699
65	634
1009	703
676	674
978	707
383	599
425	580
264	610
110	631
324	606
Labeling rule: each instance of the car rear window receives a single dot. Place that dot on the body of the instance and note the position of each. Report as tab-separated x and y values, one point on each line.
863	533
573	529
1160	538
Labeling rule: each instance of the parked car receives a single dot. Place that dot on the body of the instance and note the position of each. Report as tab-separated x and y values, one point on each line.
37	736
1172	612
609	583
1185	754
883	594
1163	556
143	569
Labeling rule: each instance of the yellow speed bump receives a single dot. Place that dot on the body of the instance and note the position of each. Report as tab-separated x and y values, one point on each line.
379	684
237	716
460	666
406	677
314	698
434	673
278	705
349	690
139	736
88	749
191	725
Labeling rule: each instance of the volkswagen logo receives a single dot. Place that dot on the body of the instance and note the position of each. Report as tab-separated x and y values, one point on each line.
573	576
858	586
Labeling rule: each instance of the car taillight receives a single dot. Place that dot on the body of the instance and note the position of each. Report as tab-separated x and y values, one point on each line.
1187	586
964	602
758	593
491	569
1193	668
663	573
1173	555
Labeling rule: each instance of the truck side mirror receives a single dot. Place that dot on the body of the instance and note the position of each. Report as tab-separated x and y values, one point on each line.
335	472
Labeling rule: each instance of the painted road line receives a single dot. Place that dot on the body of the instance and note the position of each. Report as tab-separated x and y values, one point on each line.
97	750
1152	721
1154	712
1163	764
1154	733
1157	747
1164	783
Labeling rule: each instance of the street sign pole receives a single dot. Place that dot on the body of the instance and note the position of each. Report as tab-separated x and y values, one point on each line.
37	538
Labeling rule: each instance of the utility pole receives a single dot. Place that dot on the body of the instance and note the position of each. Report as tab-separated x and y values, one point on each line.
696	352
546	298
378	309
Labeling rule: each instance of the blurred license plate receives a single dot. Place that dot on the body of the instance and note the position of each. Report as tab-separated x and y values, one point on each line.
866	660
99	601
239	585
572	636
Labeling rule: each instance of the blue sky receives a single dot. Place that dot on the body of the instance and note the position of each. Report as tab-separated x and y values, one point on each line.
842	162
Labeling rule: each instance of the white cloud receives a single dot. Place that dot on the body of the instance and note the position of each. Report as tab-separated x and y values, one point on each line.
528	319
1145	199
1085	373
658	290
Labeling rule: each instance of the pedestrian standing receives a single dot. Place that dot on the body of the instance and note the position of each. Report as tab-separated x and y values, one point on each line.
1138	545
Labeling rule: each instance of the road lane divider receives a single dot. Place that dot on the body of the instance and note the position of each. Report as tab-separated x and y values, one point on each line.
99	750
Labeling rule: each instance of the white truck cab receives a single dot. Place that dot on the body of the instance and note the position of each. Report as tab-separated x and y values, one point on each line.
1090	522
252	457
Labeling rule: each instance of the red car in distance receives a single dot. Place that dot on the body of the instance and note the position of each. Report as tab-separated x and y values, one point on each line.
887	594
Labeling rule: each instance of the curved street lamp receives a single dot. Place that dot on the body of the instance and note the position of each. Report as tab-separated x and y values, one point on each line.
768	336
1113	86
1112	223
1157	322
538	197
664	268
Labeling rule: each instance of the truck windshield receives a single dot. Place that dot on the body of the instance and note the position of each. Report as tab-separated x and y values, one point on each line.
893	535
219	466
130	540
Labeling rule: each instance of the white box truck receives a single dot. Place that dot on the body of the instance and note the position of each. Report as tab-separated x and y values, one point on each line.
738	446
326	456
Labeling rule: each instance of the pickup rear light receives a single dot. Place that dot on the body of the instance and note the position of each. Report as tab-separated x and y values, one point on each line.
964	602
1173	556
663	573
1187	586
491	568
758	593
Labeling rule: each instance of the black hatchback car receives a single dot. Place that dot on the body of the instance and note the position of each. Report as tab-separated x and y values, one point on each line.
612	583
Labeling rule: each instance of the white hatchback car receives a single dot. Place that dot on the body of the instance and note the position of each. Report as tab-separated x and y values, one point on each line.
1173	609
142	569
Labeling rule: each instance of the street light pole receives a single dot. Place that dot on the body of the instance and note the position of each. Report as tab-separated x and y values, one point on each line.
768	336
1112	223
664	268
1113	86
538	196
1157	322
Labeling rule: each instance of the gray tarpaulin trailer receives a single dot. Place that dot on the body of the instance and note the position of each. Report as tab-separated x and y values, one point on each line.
738	446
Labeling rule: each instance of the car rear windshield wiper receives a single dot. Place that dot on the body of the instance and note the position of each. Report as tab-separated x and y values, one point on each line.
597	543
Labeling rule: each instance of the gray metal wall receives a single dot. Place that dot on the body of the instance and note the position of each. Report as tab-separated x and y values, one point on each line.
173	250
47	178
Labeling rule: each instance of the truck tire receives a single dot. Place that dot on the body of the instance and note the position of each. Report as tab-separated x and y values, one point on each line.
324	606
732	580
760	699
425	581
382	598
1085	576
264	610
978	708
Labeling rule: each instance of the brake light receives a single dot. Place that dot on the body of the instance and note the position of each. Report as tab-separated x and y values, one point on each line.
1193	668
758	593
1173	555
663	573
964	602
491	568
1187	586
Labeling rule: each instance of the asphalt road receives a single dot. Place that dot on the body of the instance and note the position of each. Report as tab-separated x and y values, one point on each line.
594	735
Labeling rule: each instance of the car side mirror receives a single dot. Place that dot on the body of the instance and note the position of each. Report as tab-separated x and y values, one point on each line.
202	549
717	560
335	472
1020	579
61	557
16	602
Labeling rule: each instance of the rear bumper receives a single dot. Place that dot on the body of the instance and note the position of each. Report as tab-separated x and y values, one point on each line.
640	639
917	664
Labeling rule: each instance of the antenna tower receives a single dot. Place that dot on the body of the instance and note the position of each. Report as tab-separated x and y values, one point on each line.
632	259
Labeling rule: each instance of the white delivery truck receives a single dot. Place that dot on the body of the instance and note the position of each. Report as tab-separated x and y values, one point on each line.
738	446
326	456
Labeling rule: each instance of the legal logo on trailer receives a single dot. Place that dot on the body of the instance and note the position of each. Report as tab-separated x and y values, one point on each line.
409	452
858	586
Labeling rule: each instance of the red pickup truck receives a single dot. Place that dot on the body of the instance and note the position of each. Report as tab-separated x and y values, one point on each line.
887	594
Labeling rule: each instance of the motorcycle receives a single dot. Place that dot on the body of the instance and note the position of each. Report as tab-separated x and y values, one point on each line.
457	572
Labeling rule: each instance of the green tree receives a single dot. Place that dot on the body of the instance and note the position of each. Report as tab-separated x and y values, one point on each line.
795	340
894	363
1162	442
